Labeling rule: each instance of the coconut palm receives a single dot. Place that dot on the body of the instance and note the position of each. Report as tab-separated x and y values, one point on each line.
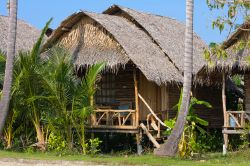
70	95
5	100
170	148
28	82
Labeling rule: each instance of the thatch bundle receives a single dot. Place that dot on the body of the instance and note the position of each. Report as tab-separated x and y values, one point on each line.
26	35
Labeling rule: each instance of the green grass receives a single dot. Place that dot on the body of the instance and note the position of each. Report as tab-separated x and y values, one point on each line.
236	158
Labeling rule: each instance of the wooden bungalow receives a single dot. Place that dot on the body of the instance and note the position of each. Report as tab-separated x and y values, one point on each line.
27	35
237	47
144	66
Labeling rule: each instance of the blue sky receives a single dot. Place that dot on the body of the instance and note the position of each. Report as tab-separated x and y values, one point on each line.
37	12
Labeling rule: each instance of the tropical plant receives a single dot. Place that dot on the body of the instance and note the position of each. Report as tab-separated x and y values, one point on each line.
70	96
47	92
5	100
187	145
93	146
170	148
28	83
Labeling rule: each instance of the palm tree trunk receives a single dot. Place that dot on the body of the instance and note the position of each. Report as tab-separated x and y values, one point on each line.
40	137
170	148
4	103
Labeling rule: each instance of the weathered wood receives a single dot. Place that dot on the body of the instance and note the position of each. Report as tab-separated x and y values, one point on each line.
136	98
151	138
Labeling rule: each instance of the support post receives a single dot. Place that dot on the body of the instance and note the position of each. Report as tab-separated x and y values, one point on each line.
136	98
225	136
138	143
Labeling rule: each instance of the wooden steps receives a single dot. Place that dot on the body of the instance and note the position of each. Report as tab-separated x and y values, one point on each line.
151	138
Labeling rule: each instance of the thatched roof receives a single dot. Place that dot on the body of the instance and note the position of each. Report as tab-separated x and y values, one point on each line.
137	45
26	35
237	35
236	62
168	34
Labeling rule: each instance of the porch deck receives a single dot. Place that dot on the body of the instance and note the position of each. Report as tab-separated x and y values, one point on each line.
111	120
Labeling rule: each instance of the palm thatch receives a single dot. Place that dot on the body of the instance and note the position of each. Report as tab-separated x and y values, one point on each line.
167	33
238	61
27	35
121	41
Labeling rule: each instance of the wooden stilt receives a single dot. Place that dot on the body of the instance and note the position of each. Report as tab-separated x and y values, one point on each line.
136	98
138	143
225	136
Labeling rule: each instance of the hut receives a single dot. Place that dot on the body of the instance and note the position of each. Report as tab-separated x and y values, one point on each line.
237	48
27	35
144	67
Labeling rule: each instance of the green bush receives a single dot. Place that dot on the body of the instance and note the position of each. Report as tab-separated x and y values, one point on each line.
93	146
56	143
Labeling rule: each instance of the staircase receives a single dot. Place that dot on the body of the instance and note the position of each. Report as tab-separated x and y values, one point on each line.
154	129
154	126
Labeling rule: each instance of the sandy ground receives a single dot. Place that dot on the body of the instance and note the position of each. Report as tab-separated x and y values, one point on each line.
24	162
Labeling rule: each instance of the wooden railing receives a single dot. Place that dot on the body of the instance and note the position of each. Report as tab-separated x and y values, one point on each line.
118	119
154	123
235	119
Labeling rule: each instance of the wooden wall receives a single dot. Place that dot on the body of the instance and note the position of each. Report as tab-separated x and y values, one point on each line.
162	99
151	93
210	94
247	92
123	88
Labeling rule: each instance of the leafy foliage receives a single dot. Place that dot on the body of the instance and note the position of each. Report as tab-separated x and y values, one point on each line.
187	144
49	102
233	11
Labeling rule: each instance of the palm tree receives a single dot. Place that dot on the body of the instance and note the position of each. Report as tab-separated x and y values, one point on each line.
5	100
70	96
170	148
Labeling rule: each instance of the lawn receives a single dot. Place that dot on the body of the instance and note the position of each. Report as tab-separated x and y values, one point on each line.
236	158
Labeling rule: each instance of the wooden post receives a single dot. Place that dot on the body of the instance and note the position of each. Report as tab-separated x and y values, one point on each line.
138	138
136	98
225	136
138	142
